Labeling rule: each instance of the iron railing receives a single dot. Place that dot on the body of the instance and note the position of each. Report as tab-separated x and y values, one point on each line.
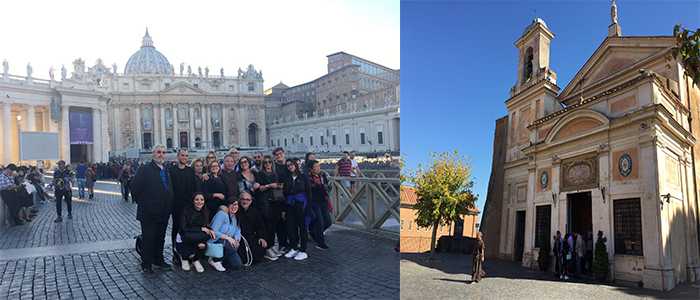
369	203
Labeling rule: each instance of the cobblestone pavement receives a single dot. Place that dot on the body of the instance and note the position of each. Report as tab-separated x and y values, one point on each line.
358	265
445	278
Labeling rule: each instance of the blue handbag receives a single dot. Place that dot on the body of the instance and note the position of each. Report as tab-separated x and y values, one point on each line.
215	250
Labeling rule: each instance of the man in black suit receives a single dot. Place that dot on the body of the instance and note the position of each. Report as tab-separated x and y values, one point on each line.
152	189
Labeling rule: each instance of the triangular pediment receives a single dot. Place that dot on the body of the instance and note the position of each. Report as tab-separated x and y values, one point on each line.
179	88
614	56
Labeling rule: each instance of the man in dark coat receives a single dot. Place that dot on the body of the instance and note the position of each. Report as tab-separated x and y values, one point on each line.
252	228
182	177
230	178
152	189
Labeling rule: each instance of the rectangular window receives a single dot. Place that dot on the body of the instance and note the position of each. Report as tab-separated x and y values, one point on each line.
543	220
293	141
627	218
278	142
301	140
380	138
311	140
285	142
322	141
334	140
362	138
347	139
251	86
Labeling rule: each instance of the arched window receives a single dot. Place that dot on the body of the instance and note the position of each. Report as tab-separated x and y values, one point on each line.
527	64
253	135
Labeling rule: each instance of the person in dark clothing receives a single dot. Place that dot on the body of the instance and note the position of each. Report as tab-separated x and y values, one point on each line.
270	205
62	177
215	189
183	180
125	177
230	178
318	185
478	259
252	228
152	189
199	176
194	231
280	168
296	188
558	255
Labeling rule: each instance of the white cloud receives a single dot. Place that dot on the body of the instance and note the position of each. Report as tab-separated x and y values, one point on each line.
288	40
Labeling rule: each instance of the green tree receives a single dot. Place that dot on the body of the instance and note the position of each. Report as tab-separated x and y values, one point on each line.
444	192
687	50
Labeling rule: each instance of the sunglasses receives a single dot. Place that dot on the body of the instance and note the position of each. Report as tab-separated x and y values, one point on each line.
267	162
212	157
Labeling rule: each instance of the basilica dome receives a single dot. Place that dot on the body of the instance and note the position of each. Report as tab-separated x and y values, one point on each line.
148	60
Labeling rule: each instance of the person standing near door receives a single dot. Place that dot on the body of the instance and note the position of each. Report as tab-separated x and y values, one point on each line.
152	189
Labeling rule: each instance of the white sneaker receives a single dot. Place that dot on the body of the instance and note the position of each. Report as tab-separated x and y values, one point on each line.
277	251
217	265
198	266
271	255
291	253
185	265
301	256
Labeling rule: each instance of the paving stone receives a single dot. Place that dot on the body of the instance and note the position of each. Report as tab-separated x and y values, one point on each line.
446	278
357	261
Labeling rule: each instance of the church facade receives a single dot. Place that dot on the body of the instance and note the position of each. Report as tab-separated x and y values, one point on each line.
614	151
129	112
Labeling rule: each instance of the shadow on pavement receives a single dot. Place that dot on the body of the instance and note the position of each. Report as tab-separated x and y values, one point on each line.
451	263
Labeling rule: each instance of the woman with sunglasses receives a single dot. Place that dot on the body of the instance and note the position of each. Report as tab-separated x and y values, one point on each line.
215	188
211	156
247	177
225	226
296	189
270	205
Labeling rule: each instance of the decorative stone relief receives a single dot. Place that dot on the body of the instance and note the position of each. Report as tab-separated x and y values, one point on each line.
579	173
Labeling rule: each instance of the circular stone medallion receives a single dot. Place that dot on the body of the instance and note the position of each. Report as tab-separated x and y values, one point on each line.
544	180
625	165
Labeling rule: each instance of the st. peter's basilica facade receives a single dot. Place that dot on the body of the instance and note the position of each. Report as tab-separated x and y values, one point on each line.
100	112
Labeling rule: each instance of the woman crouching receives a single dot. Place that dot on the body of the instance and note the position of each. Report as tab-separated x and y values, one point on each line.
226	230
193	234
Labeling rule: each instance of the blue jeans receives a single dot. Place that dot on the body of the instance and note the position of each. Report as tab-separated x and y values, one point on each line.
231	258
321	217
81	187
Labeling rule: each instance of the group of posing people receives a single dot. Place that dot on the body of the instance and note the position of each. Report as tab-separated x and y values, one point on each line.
573	254
240	212
21	189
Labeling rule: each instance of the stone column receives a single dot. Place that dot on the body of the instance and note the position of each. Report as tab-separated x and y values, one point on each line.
191	135
155	125
206	136
117	130
139	126
106	148
176	134
96	135
163	137
31	118
224	125
7	133
65	134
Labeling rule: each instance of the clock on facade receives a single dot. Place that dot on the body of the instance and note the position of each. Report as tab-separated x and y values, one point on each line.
624	165
544	180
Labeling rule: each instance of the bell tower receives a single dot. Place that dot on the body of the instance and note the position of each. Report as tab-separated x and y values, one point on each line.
533	47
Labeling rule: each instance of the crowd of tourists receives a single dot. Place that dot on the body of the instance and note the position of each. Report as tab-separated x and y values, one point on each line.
22	191
232	211
573	254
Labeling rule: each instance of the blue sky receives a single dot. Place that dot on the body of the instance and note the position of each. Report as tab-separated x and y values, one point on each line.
458	63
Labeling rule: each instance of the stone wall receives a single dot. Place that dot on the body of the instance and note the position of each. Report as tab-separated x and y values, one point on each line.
491	217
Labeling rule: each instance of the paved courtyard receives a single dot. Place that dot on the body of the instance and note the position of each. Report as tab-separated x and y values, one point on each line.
92	257
445	278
